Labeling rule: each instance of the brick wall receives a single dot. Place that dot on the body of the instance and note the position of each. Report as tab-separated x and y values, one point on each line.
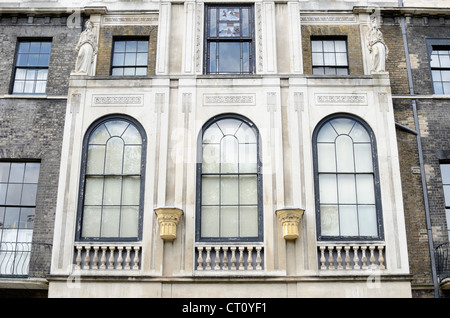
352	33
107	33
32	128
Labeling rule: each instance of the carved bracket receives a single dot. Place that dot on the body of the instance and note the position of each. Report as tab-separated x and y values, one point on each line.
290	219
168	219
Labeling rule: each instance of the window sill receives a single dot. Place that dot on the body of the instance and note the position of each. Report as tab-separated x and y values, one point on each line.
31	96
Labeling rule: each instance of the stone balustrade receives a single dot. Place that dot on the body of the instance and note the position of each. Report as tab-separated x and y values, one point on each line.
119	257
349	257
229	257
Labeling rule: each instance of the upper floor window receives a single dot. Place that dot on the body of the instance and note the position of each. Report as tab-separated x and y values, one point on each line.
329	56
229	184
445	173
229	39
112	180
31	68
18	189
130	57
440	68
346	180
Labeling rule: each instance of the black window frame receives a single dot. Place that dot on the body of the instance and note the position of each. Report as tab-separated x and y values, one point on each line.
441	45
124	66
335	66
31	67
376	174
444	185
82	185
250	39
198	237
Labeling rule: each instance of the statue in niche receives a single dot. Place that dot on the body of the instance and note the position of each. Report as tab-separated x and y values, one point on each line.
87	49
377	48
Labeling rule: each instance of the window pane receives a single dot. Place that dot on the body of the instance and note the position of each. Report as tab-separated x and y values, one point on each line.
46	47
35	47
130	59
142	46
33	59
211	158
119	46
438	88
132	160
245	68
131	46
230	221
365	189
229	190
326	157
96	159
17	172
434	62
210	190
329	220
344	154
212	57
142	71
40	87
248	190
317	59
141	59
347	189
210	221
13	194
229	154
363	157
21	74
367	220
348	220
316	46
328	46
24	47
212	22
444	60
129	71
91	221
249	221
110	221
94	191
445	173
118	59
328	188
117	72
4	171
114	156
131	190
341	59
26	220
11	219
245	22
129	225
340	46
247	158
245	134
19	86
44	59
3	188
329	59
229	57
112	191
447	194
29	194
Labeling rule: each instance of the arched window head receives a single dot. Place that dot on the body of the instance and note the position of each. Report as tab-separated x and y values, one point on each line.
346	180
112	180
229	181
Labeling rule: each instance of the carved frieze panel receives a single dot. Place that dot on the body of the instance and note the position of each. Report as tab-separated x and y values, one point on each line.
229	99
341	99
117	100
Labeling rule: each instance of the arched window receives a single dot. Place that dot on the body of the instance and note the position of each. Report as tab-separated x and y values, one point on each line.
229	184
346	180
112	180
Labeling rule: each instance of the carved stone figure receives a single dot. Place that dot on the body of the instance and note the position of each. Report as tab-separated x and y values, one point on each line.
377	48
87	49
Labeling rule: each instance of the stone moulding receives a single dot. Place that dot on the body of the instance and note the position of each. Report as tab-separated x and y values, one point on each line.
168	219
290	219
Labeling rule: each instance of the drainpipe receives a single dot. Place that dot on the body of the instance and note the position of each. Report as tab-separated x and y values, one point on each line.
419	147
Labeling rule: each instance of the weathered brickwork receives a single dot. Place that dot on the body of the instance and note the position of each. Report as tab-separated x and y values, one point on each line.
107	34
352	33
434	118
31	129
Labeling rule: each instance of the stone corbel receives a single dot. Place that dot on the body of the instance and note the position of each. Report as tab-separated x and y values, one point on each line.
168	219
290	219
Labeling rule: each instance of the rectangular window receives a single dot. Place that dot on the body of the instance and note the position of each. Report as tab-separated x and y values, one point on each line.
31	68
445	173
440	68
329	56
18	189
130	57
229	40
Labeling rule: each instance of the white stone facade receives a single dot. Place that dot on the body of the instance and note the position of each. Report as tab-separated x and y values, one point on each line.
286	105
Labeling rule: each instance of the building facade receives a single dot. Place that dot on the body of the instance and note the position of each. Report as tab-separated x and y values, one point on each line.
214	149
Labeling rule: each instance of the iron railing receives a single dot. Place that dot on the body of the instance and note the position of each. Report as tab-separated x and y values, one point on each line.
24	259
442	253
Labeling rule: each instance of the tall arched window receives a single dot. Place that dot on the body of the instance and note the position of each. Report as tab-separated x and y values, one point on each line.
346	180
112	181
229	184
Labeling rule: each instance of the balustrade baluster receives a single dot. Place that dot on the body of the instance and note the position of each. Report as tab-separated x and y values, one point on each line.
119	258
339	257
380	257
347	257
95	258
372	257
78	258
208	258
217	258
322	257
225	258
363	257
127	258
87	259
258	258
241	258
136	257
330	257
250	266
356	257
103	258
200	258
111	257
